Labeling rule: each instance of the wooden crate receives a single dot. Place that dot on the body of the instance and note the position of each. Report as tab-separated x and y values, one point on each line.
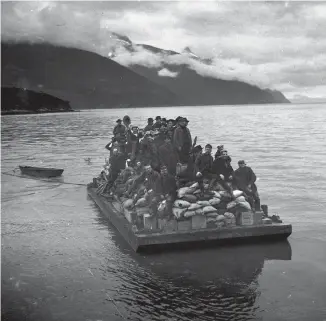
247	218
167	225
258	218
198	222
150	222
184	225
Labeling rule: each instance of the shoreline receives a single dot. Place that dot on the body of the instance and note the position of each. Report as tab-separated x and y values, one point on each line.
36	112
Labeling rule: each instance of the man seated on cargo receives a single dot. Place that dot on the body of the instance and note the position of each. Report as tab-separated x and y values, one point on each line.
120	185
203	164
169	188
196	153
228	169
222	173
152	181
126	173
245	179
134	180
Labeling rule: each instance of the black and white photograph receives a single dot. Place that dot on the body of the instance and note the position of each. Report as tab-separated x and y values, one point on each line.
163	160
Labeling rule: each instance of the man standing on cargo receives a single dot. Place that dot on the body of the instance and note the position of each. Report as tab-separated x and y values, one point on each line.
119	128
119	133
167	156
182	141
117	164
150	123
134	142
245	179
158	123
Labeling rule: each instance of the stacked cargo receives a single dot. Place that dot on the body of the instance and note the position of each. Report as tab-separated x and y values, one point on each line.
193	210
211	209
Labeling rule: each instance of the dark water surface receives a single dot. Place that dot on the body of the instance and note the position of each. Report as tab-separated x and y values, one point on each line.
62	261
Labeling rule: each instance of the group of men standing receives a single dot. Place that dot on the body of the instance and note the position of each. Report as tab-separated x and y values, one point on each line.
156	151
165	142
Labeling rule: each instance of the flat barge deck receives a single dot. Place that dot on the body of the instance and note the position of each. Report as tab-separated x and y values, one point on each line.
144	240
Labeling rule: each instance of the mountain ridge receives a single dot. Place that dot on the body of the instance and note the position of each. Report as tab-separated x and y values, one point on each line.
185	79
89	80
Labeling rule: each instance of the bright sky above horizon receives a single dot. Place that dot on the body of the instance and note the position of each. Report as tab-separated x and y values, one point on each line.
281	45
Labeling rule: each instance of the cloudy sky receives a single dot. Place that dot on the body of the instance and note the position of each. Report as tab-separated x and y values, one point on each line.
281	45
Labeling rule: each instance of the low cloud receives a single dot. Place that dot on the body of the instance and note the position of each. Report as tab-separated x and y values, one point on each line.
227	69
140	57
167	73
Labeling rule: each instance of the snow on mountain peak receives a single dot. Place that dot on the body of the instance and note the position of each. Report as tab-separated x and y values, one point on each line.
188	51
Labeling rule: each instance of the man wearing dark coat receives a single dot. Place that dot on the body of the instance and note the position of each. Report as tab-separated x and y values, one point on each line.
117	164
168	156
182	141
223	172
119	128
158	123
203	165
150	123
245	179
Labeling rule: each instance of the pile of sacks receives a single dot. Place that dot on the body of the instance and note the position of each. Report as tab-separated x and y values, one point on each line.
140	207
217	206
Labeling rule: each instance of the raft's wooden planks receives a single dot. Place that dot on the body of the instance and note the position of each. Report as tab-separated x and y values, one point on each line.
141	239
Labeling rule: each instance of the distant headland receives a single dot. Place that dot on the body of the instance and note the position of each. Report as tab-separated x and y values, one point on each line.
23	101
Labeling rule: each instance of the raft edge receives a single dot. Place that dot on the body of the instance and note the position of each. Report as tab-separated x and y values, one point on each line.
141	241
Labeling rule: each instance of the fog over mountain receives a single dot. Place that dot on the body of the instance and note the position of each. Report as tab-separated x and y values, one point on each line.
275	45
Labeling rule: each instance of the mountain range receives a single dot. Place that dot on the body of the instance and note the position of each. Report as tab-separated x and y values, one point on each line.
89	80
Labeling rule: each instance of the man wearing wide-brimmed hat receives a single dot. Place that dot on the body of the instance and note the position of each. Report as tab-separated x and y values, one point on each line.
120	133
182	140
119	128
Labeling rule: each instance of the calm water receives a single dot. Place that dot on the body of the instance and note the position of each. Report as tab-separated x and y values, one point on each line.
62	261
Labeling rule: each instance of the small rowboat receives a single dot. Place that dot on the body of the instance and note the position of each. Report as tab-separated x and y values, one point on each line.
41	171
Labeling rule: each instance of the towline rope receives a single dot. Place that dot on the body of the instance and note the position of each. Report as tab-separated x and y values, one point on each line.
43	180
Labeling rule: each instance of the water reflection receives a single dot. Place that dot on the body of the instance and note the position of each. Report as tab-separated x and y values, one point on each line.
219	283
